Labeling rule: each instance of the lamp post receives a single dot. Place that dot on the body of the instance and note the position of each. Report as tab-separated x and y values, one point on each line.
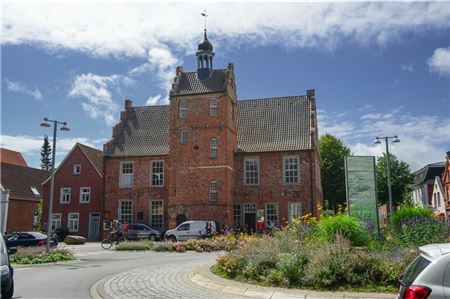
46	123
388	166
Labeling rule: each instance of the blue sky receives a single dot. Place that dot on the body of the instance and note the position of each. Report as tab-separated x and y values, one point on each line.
378	68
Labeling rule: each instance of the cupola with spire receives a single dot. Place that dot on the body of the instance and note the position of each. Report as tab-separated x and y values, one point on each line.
205	56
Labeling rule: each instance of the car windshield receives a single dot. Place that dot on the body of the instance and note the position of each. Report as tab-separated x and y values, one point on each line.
414	269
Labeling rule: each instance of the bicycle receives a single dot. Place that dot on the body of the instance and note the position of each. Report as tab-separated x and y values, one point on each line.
112	240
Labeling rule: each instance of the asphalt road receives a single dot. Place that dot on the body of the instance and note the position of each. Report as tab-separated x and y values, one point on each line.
74	280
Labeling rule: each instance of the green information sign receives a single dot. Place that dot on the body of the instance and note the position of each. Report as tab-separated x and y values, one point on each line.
361	189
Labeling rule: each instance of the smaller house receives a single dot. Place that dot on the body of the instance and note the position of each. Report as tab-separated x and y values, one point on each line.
438	200
20	194
422	187
446	185
78	192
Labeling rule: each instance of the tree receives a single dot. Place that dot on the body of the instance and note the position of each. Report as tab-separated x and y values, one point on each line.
332	154
46	151
401	179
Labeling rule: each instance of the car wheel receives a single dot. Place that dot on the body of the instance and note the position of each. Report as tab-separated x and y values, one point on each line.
7	294
152	238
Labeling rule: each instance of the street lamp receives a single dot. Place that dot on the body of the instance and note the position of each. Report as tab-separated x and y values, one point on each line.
388	166
46	123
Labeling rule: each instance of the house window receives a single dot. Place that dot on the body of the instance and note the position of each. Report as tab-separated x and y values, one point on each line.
213	148
272	214
126	175
35	191
85	194
157	174
213	191
65	195
125	211
156	214
184	136
73	222
251	171
290	170
213	107
77	169
294	210
183	109
237	212
56	221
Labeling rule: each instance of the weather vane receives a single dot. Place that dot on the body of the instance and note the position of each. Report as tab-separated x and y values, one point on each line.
205	15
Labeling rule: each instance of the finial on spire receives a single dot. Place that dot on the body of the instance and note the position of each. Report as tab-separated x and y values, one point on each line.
204	15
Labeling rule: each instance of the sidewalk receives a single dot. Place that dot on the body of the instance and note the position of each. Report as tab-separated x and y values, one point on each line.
203	277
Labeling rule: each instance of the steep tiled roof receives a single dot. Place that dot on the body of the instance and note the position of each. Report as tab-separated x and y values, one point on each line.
274	124
12	157
188	83
428	172
94	155
264	125
20	179
145	132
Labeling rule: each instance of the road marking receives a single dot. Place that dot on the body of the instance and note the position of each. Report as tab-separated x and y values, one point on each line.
125	258
21	269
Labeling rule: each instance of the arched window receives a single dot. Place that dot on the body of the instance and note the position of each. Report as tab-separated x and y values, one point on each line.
213	148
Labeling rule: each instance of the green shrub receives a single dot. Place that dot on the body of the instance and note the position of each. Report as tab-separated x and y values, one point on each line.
38	255
409	212
291	267
140	245
330	226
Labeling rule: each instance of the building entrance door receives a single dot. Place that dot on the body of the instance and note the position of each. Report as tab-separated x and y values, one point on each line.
250	217
94	226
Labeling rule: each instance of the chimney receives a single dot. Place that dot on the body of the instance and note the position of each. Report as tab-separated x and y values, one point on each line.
128	104
179	71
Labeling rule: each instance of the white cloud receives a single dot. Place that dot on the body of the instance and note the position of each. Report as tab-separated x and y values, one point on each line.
407	67
94	92
424	139
20	87
133	29
440	61
153	100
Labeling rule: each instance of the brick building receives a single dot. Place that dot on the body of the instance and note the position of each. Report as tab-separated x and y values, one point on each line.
446	185
78	192
208	155
21	192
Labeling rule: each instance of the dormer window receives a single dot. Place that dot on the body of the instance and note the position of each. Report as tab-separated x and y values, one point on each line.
213	107
77	169
183	109
35	191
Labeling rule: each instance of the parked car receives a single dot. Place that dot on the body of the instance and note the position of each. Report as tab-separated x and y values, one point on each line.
191	230
29	239
137	231
428	276
7	285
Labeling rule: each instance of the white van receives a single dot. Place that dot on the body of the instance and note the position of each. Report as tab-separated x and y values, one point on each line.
190	230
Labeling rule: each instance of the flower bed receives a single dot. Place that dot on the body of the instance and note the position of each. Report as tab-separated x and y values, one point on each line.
38	255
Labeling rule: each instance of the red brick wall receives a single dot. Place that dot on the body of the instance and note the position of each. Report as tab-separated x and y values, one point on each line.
141	193
20	215
64	177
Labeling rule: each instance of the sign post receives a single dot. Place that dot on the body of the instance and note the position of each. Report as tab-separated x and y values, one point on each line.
361	188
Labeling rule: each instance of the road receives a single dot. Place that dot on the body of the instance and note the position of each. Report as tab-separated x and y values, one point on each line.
74	280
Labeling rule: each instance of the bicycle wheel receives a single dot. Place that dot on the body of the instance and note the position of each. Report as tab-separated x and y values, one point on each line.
107	244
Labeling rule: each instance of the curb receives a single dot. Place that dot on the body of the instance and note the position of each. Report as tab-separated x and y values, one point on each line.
75	261
203	277
96	290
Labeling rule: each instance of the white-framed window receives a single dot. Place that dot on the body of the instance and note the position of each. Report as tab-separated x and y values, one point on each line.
237	215
35	191
73	221
184	136
157	213
251	171
213	190
213	107
183	108
65	195
56	221
249	208
85	194
272	214
125	211
213	148
77	169
294	210
126	174
290	170
157	174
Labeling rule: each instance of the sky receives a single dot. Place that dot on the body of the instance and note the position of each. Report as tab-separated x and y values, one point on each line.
378	68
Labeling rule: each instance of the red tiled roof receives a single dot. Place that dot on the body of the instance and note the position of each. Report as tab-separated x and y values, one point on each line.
12	157
19	180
